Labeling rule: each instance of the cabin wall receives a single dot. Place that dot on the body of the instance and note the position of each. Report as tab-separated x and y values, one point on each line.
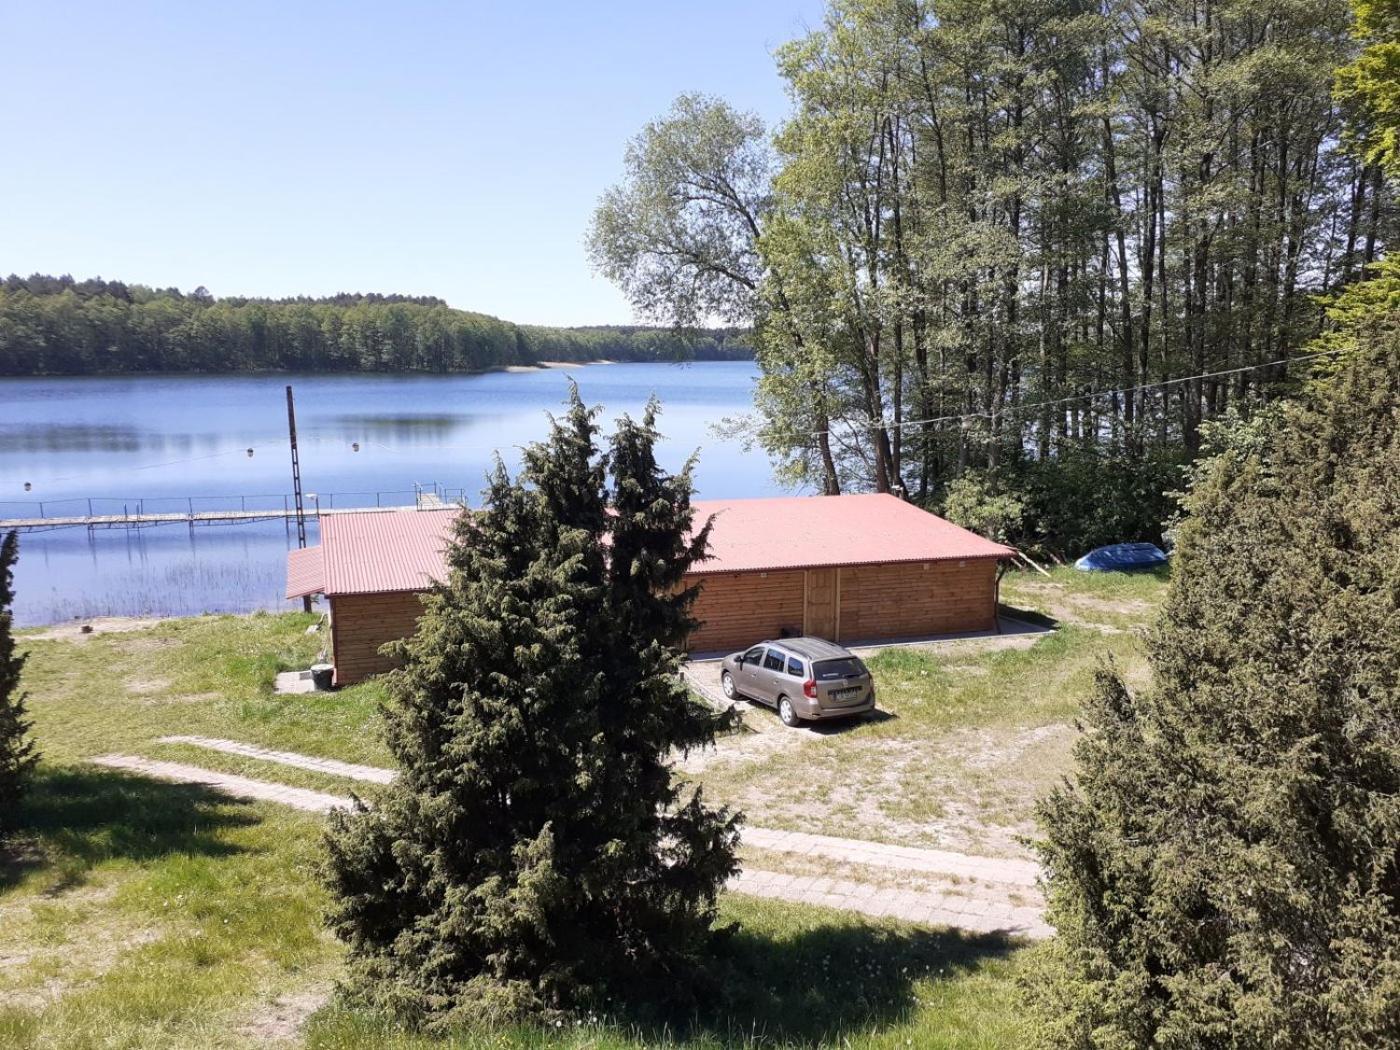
852	604
909	600
738	609
361	623
871	603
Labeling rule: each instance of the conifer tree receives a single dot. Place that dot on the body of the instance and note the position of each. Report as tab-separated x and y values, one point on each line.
17	754
1226	871
535	853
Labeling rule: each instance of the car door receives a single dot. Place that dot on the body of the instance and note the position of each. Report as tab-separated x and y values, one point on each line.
749	671
770	676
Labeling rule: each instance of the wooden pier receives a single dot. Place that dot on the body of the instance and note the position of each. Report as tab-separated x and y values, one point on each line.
137	517
212	517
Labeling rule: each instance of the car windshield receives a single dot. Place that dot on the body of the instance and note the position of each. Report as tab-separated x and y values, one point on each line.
845	667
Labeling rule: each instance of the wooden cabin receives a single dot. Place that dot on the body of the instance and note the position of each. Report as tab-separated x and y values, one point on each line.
852	569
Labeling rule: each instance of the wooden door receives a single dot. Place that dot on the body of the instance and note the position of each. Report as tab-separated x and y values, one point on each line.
820	617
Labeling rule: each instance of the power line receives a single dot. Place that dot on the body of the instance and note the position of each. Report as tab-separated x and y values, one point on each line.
888	425
168	463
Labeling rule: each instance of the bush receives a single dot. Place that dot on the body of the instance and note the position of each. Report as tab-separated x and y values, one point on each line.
1069	504
974	502
1226	872
17	754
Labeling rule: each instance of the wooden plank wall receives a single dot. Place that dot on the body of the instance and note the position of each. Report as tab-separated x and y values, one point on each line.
735	610
742	608
902	601
361	623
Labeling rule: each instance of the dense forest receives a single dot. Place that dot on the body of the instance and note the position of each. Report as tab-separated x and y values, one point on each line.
59	326
999	250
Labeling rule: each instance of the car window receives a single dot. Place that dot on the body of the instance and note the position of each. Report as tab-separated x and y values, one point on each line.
843	667
754	655
773	661
795	667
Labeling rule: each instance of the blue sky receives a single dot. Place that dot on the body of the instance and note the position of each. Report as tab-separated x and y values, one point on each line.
280	148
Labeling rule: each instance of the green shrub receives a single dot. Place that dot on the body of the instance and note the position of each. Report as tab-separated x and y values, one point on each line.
1226	870
536	855
17	754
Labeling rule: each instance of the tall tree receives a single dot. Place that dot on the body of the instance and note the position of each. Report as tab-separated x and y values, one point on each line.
17	753
1226	870
535	853
1017	234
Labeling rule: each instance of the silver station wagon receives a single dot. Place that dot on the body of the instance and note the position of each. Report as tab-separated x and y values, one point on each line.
803	678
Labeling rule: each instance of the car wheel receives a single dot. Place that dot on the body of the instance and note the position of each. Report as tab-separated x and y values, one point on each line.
726	682
787	713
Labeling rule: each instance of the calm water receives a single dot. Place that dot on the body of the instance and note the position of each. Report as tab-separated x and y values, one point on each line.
169	443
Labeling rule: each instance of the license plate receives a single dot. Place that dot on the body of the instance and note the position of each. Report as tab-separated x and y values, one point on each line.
845	694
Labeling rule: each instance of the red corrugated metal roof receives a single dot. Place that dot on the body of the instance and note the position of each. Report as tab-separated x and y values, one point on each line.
403	550
304	572
813	531
378	551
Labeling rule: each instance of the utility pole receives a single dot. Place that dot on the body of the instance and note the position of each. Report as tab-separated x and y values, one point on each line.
296	484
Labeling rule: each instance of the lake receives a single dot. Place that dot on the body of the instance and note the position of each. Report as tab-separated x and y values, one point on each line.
168	443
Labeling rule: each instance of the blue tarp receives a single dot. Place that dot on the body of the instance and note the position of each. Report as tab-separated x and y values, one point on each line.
1122	557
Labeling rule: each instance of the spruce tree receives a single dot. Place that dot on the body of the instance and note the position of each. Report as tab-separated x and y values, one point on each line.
17	754
536	855
1226	870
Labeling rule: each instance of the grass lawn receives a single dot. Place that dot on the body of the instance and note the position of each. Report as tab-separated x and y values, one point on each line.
135	913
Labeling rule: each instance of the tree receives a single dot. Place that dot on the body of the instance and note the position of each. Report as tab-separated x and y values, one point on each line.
535	853
1009	230
1226	870
17	754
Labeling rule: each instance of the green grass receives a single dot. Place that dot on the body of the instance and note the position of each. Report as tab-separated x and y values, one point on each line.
1115	600
205	676
135	913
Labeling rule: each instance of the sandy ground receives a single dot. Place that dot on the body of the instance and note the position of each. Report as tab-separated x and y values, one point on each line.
970	790
79	630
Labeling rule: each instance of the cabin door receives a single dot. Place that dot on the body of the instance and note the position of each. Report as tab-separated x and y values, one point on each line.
821	617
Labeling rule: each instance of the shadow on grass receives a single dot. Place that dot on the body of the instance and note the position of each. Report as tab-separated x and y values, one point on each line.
1030	616
75	818
810	987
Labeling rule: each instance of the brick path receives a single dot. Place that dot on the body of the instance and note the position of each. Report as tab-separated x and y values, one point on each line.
976	914
982	906
350	770
239	787
903	858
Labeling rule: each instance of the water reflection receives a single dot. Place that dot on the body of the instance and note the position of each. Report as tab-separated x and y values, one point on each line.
128	444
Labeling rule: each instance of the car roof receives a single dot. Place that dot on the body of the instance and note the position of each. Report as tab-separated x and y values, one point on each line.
811	648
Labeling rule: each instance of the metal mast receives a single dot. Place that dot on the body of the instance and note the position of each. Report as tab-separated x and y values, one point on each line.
296	483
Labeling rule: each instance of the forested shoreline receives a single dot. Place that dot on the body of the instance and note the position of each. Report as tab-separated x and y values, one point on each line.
60	326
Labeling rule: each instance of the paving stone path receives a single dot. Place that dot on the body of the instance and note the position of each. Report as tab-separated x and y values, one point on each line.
982	906
851	851
903	858
976	914
350	770
239	787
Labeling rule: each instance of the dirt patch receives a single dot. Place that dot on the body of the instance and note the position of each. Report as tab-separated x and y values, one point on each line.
743	748
281	1020
147	686
81	630
193	698
968	790
36	976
